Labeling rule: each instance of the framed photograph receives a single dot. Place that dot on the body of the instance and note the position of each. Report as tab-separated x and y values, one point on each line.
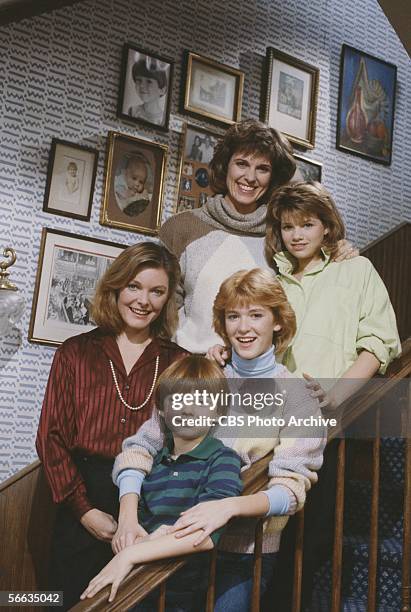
307	169
67	274
212	90
133	191
71	175
291	97
197	151
145	87
366	103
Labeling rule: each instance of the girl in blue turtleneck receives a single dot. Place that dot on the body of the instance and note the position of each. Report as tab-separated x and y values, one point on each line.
251	313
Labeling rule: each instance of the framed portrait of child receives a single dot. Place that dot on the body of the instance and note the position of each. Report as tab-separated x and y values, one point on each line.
133	189
71	176
145	87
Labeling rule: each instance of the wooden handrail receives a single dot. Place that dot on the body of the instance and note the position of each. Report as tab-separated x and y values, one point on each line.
384	237
145	578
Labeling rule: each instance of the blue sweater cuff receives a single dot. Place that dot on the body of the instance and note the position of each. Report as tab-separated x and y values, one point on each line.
130	481
279	500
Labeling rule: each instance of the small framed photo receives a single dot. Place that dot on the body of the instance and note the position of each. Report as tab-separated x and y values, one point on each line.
71	176
67	274
307	169
212	90
291	97
133	191
145	87
366	105
197	151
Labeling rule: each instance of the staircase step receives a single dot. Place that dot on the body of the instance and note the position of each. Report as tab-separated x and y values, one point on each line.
389	551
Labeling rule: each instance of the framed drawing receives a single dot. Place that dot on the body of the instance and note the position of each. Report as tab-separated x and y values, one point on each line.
197	151
307	169
133	191
366	103
71	175
291	97
67	274
145	87
212	90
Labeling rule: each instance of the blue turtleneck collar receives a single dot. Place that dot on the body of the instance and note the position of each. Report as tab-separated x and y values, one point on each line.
263	366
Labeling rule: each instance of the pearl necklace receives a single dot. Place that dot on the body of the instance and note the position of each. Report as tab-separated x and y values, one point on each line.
150	393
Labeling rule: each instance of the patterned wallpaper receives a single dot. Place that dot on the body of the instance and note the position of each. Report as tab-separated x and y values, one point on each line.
60	75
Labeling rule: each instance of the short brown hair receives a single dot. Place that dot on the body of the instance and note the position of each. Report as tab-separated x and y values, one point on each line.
260	287
123	269
188	374
253	137
303	200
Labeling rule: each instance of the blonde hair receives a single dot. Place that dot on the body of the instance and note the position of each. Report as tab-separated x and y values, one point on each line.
258	287
124	268
190	373
302	200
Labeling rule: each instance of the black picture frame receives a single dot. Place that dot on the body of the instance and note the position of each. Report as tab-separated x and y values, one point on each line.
71	177
366	105
149	65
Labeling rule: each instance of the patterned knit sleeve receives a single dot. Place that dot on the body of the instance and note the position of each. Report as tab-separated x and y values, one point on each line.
138	451
299	454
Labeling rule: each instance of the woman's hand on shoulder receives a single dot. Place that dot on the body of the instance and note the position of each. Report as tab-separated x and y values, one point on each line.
113	573
129	531
345	250
218	353
100	524
205	517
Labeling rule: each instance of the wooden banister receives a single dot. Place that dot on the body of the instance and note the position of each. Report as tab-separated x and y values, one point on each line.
255	479
391	256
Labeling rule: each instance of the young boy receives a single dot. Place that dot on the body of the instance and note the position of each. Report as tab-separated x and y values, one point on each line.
151	82
192	467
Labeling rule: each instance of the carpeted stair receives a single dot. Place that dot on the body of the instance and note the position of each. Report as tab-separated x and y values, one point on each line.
356	540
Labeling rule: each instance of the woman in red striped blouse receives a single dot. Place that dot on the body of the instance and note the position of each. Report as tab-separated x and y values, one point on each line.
99	392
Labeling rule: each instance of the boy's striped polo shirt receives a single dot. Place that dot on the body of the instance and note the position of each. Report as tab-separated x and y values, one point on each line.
209	471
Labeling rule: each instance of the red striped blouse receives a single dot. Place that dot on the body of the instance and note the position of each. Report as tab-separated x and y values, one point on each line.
82	411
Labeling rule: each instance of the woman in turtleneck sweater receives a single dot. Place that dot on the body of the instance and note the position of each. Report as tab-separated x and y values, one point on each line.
227	233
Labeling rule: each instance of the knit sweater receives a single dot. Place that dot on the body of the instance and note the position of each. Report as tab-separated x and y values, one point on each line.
210	243
294	463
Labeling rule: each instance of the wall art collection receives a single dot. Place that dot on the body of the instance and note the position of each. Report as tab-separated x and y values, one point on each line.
70	266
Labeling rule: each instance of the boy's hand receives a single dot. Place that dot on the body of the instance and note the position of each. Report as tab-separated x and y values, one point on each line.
346	250
218	353
128	532
100	524
205	517
113	573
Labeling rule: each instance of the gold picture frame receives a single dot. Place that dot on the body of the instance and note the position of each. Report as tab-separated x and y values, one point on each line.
193	181
134	184
212	90
68	271
290	103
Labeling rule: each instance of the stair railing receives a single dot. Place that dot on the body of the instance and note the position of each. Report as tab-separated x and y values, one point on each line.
143	579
